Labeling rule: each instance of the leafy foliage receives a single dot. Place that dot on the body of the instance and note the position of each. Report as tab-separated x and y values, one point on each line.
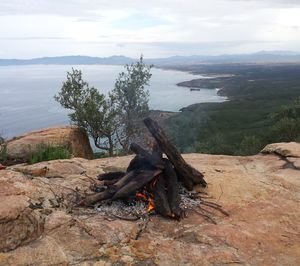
131	100
111	121
3	154
91	110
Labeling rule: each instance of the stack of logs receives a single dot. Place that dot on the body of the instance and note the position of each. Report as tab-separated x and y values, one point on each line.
151	176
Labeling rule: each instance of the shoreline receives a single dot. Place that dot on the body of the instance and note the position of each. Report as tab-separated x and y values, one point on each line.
213	81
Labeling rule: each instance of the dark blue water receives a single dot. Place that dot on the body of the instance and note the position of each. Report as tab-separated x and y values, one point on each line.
26	93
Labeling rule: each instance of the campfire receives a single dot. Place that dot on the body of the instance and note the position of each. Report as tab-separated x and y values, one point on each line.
152	177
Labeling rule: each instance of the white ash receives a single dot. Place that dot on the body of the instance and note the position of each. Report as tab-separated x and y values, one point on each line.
189	199
119	208
138	208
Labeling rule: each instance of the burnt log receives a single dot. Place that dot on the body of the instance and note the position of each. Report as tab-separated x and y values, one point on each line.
161	202
109	182
92	199
136	183
172	188
189	175
111	175
139	163
123	181
154	159
110	191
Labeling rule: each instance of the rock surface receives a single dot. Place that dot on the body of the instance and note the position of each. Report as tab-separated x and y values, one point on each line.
71	137
39	225
288	149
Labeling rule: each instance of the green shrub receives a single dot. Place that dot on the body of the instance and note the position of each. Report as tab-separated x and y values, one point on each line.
99	155
45	152
3	154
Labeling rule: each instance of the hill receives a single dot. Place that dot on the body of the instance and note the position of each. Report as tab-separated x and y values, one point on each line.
244	124
260	57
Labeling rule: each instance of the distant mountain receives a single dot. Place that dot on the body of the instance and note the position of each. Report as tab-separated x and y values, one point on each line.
69	60
259	57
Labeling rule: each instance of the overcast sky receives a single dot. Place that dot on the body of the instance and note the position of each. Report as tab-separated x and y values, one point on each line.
156	28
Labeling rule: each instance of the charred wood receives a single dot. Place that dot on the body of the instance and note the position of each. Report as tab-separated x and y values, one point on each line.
189	175
109	182
91	199
123	181
172	188
160	197
139	163
153	159
111	176
137	183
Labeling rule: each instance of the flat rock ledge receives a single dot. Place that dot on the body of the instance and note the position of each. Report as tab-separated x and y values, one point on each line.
40	226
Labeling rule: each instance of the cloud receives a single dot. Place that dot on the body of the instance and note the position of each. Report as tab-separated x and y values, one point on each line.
101	27
32	38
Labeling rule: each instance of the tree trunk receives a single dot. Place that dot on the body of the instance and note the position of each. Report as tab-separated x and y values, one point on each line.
111	147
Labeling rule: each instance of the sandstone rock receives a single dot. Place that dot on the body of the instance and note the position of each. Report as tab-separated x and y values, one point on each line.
18	223
288	149
261	195
72	137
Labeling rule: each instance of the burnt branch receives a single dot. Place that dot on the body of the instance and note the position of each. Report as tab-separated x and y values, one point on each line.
155	161
137	183
111	175
160	197
189	175
172	187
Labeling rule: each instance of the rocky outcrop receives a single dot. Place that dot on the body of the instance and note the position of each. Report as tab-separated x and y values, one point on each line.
289	149
72	137
39	224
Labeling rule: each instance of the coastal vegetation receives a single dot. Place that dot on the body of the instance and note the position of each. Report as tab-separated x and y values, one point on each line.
111	121
261	109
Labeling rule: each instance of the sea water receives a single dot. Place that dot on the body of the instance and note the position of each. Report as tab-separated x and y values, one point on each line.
27	103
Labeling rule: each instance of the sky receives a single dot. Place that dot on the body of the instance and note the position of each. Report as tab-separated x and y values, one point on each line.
154	28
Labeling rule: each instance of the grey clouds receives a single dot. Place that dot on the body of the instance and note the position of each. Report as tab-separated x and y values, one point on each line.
34	28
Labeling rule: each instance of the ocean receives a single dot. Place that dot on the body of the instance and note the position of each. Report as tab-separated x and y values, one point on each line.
27	103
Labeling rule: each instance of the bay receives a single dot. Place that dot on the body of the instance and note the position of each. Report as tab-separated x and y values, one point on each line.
27	103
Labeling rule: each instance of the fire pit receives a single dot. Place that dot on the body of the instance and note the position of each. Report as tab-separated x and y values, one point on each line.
156	180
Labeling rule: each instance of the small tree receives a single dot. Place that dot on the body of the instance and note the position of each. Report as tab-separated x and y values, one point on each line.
90	110
131	100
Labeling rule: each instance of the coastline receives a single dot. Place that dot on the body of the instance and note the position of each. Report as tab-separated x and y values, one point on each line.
208	80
